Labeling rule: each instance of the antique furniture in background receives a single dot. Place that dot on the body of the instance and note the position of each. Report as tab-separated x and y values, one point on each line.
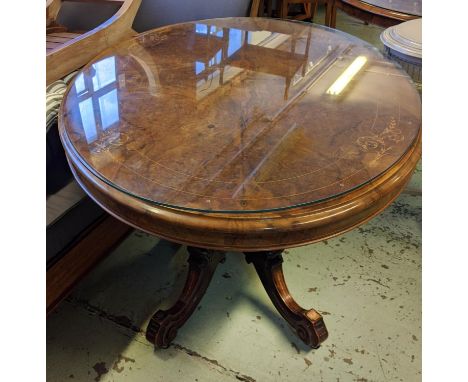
265	7
403	43
70	50
310	7
242	134
384	13
79	232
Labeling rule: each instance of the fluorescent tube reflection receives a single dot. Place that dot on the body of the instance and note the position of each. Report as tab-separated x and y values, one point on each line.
347	75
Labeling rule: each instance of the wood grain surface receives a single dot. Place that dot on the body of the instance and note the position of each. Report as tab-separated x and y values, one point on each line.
221	134
384	13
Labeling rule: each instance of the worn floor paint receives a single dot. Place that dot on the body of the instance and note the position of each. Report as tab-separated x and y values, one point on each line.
366	283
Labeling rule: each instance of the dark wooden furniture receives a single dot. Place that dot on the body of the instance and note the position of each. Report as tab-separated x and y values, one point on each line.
265	7
384	13
242	134
310	6
91	247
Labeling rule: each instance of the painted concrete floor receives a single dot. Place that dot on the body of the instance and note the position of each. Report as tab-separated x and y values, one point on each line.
366	283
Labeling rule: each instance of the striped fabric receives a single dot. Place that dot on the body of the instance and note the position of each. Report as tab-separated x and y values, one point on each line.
54	95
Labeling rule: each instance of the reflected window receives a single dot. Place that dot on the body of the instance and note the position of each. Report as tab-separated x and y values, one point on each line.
209	30
87	120
235	41
201	28
80	84
215	31
97	94
109	107
199	67
104	73
216	59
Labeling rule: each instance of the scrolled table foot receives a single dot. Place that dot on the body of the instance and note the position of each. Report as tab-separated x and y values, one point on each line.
163	326
308	324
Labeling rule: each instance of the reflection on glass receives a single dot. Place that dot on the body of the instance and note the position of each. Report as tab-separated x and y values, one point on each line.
98	101
109	107
235	40
152	76
104	73
201	28
213	30
259	37
199	67
87	120
216	31
80	84
216	59
234	48
348	74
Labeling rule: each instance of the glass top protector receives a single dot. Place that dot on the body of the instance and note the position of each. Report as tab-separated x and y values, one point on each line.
241	115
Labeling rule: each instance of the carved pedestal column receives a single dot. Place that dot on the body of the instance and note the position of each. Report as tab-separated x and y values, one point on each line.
163	326
308	324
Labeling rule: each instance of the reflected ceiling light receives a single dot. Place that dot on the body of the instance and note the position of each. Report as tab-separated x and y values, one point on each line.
347	75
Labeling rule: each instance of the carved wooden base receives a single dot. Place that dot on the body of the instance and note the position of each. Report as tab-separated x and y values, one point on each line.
308	324
163	326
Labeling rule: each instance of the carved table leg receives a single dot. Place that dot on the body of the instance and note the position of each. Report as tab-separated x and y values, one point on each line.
308	324
163	326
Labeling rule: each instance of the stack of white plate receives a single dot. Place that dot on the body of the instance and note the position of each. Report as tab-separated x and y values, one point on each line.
403	43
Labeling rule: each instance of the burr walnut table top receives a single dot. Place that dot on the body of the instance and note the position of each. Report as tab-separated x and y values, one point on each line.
226	128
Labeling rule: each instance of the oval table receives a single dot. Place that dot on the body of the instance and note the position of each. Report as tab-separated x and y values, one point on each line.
242	134
384	13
